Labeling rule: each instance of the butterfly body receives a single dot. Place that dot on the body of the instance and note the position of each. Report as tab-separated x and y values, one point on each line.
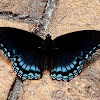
63	56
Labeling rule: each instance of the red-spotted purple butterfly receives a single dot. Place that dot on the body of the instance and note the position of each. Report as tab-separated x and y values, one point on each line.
63	56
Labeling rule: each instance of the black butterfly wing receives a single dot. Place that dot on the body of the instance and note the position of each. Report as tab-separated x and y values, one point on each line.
70	50
25	49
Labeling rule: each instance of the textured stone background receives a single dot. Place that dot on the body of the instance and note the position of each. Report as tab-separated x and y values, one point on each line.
70	15
33	8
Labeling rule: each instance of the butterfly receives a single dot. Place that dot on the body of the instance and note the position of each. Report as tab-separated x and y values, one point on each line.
63	57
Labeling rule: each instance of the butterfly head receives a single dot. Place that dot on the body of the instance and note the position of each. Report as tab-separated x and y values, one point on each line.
48	37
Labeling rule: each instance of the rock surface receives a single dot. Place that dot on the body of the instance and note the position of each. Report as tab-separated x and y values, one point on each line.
70	15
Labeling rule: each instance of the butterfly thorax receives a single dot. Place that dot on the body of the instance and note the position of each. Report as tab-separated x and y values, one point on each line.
48	44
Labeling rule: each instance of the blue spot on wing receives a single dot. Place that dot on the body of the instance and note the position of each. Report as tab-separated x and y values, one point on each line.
32	68
64	69
24	66
25	76
68	67
16	69
28	67
20	73
59	77
21	63
72	65
31	76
